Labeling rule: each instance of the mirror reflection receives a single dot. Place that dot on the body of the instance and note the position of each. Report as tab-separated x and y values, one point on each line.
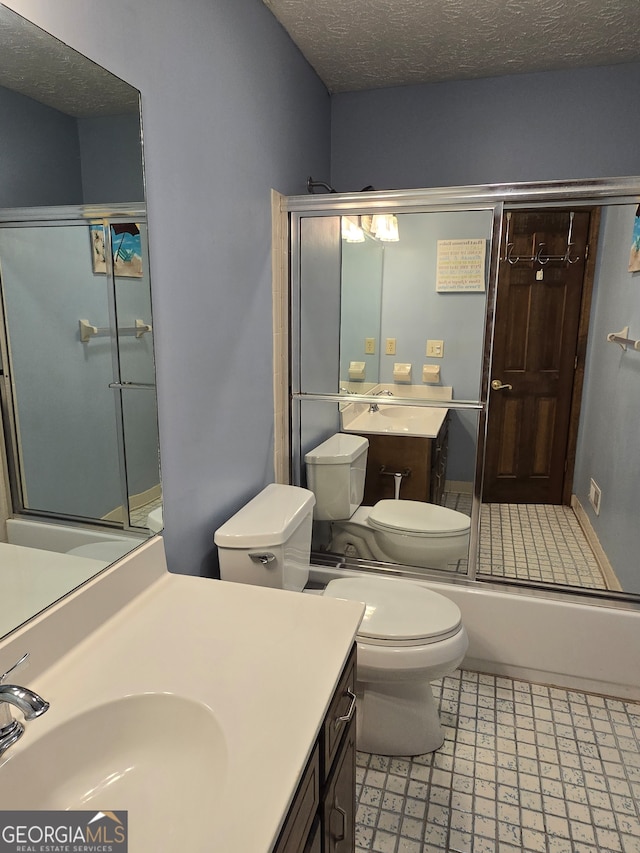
393	483
558	492
80	481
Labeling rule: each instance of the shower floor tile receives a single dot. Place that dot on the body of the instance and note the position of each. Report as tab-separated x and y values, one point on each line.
524	768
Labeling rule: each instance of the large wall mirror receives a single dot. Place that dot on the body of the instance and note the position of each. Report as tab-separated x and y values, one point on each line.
80	470
485	357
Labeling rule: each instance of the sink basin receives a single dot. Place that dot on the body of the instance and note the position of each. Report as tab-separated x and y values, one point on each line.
158	756
407	420
397	413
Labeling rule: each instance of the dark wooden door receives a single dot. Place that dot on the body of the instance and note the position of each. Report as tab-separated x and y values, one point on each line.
538	311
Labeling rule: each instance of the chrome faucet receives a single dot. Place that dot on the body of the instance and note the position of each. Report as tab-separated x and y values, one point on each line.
373	407
29	703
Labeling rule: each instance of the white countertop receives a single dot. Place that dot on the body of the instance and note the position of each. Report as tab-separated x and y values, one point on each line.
412	411
266	662
32	578
410	421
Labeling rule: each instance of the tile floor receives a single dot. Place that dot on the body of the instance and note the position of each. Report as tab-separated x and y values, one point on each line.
138	516
531	542
524	769
538	542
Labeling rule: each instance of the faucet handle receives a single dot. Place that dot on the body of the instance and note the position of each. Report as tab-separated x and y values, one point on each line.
16	665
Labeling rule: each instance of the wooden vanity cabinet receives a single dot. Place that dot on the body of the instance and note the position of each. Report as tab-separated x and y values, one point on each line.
425	457
322	816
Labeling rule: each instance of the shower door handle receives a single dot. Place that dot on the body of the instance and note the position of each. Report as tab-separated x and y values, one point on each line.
498	386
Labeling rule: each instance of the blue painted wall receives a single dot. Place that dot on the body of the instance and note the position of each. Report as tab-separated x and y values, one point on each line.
525	127
49	158
608	438
39	153
413	311
230	110
111	163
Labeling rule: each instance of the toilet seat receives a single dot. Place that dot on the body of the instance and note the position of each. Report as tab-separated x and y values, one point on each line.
414	518
398	612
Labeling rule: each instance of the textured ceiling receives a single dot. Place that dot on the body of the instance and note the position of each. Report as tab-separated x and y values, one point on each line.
37	65
369	44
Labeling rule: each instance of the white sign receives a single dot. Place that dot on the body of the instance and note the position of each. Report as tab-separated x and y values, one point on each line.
460	265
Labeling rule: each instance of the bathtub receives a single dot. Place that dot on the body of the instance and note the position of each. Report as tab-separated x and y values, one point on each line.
42	562
63	538
566	643
32	579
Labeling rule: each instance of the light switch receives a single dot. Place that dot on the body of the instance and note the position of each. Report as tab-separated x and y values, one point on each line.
435	349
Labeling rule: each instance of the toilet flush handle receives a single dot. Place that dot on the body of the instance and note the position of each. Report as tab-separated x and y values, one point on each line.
263	558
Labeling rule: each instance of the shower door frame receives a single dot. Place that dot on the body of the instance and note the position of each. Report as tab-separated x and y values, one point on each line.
75	216
595	192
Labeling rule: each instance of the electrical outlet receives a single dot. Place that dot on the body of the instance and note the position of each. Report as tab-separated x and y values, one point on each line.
435	349
390	348
369	346
595	496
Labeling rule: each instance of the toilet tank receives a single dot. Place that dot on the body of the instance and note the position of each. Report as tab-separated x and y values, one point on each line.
335	474
268	541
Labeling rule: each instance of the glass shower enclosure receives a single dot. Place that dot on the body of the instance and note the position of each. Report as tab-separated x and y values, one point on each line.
78	381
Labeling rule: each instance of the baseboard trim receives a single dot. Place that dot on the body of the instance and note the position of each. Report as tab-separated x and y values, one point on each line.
605	566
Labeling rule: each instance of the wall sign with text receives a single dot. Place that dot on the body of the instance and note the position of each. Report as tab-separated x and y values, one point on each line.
461	265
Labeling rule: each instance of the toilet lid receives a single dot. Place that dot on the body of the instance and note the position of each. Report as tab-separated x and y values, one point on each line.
399	612
415	518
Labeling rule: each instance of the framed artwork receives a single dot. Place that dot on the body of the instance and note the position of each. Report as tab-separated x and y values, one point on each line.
634	257
127	251
460	266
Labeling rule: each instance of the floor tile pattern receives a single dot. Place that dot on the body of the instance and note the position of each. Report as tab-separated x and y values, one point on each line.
139	515
524	769
531	542
538	542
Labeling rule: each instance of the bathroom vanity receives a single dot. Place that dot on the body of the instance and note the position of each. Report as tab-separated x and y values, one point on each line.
322	816
217	713
424	458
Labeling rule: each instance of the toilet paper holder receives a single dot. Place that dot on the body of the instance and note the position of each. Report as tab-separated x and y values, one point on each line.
398	477
405	473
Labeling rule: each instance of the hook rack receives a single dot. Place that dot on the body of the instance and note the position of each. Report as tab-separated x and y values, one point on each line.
539	257
623	340
88	331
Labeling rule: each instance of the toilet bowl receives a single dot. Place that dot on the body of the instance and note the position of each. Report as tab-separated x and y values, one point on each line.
409	635
411	533
407	532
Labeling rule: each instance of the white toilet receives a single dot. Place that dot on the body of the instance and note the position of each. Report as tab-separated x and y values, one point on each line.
410	533
409	635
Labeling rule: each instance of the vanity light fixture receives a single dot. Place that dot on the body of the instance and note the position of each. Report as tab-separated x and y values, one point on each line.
351	230
385	227
382	227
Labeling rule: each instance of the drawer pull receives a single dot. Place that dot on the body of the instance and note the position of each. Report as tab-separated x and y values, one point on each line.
343	815
346	718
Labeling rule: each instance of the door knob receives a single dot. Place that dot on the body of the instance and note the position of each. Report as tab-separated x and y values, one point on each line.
498	386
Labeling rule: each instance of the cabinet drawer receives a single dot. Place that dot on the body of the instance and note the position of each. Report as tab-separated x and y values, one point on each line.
339	798
303	810
339	715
